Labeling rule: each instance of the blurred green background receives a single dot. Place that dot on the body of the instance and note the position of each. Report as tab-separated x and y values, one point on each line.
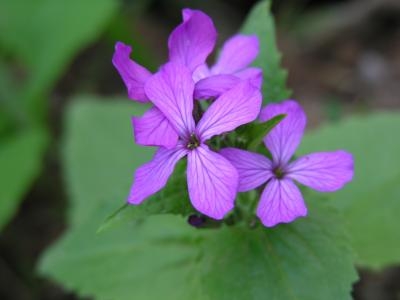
343	58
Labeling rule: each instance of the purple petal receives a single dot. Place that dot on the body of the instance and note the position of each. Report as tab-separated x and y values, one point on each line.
254	169
192	41
255	76
280	202
214	86
187	14
171	90
237	53
238	106
154	129
324	171
133	74
284	139
212	182
201	72
153	176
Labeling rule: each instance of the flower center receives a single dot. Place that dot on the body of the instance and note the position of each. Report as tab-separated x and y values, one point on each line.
193	142
279	172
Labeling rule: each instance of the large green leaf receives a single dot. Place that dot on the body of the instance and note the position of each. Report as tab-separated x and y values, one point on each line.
103	132
42	36
164	257
100	157
45	34
308	259
100	151
172	199
20	161
371	203
261	23
11	114
132	262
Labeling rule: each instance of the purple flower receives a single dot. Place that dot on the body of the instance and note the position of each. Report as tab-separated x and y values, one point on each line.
189	44
212	180
232	65
281	200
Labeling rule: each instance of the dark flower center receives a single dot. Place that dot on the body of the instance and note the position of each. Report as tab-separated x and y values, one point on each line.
193	142
279	173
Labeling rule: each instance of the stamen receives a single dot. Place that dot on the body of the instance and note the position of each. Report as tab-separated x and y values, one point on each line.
193	142
279	173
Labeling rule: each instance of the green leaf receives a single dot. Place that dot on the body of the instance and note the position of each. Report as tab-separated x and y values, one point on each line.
251	135
45	35
99	160
103	131
371	202
100	152
42	37
308	259
10	110
260	130
261	23
20	161
164	257
145	261
172	199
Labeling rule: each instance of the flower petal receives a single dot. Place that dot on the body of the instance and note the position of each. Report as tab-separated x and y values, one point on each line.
280	202
133	74
171	90
212	182
254	169
238	106
255	76
284	139
187	14
237	53
154	129
201	72
323	171
193	40
153	176
214	86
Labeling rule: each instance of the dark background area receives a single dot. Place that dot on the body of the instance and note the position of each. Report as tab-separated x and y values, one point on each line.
342	57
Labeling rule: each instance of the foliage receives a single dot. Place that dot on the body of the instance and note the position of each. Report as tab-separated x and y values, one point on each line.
255	132
20	161
172	199
153	253
44	35
371	202
260	22
308	259
39	40
100	150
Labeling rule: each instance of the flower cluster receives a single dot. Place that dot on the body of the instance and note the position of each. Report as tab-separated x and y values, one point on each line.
180	126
